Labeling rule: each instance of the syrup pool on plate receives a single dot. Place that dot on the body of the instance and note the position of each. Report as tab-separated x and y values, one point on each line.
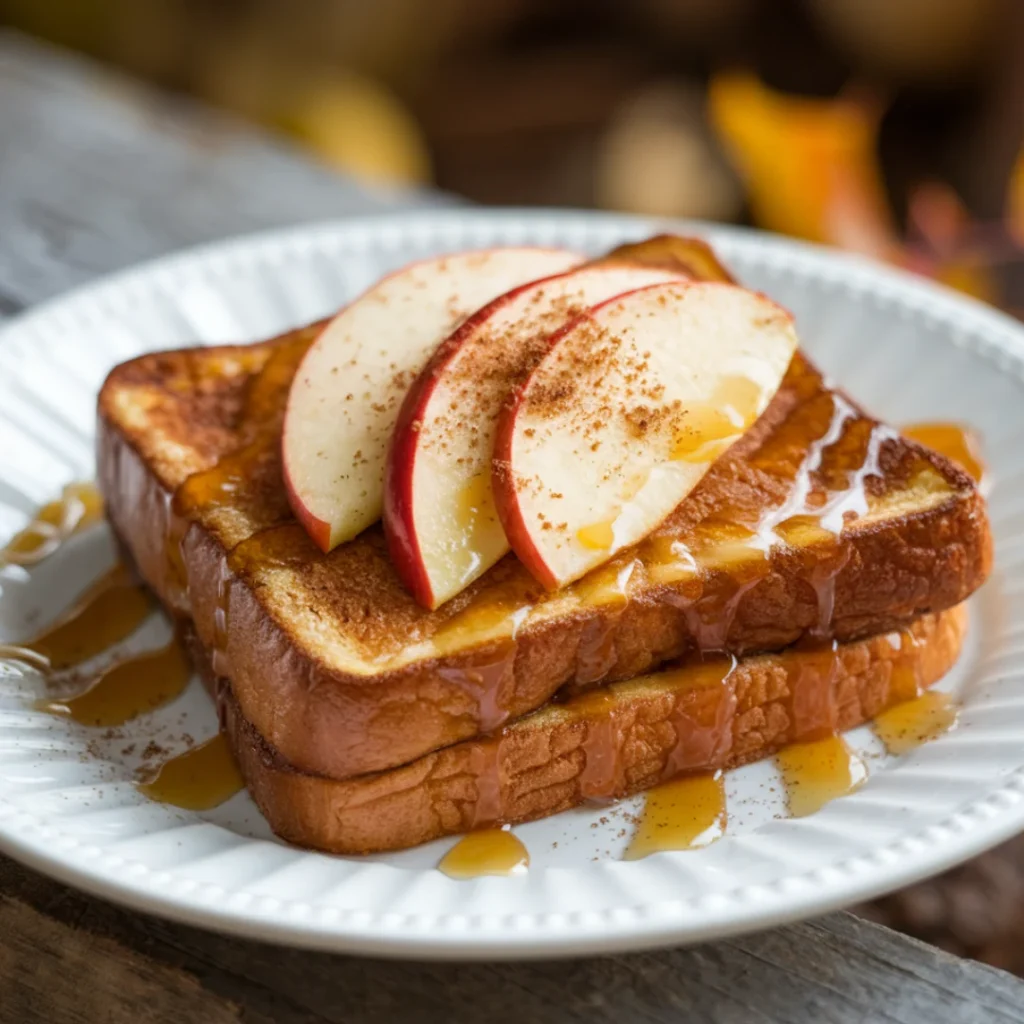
199	779
127	689
684	814
108	611
78	507
491	851
818	772
904	727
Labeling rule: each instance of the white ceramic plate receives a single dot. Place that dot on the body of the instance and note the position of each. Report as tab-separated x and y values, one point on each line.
906	349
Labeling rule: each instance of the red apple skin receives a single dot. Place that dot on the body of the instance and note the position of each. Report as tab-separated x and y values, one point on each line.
506	498
403	546
318	529
399	528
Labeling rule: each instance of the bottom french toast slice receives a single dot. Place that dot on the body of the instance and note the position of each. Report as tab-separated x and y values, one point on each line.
603	744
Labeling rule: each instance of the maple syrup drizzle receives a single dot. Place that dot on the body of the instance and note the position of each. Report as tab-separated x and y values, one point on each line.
597	536
601	777
78	507
500	616
710	617
959	443
824	520
494	624
702	717
606	588
852	501
713	426
485	767
685	814
492	851
816	772
813	708
477	513
197	780
259	430
905	678
486	682
906	726
797	502
109	610
128	689
743	549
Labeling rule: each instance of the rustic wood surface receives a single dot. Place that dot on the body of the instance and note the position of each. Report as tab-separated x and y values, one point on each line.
66	957
97	173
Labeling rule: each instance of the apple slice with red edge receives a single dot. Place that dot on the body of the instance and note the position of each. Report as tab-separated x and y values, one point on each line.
349	386
442	528
623	416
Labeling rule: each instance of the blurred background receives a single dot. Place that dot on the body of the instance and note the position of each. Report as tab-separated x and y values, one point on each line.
891	127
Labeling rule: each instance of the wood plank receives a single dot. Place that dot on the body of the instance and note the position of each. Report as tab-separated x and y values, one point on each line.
839	969
97	173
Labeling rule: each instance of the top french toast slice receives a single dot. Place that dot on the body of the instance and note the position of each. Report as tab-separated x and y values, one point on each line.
820	521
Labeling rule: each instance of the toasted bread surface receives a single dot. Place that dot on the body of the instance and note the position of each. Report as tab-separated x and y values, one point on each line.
606	744
343	673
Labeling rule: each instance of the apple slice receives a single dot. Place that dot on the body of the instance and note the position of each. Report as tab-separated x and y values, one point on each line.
443	531
349	386
624	415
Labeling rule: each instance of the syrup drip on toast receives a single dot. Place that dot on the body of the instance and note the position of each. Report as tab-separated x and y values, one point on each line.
130	688
602	775
78	507
110	610
702	717
259	433
913	715
828	454
485	766
905	679
829	489
685	814
510	597
485	681
606	588
492	851
197	780
812	704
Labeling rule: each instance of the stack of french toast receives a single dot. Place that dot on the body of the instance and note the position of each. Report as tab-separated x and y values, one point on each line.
518	529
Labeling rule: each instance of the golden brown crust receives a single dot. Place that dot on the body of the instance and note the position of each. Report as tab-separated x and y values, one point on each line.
539	765
288	603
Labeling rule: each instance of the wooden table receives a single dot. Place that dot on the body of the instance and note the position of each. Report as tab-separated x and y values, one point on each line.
97	173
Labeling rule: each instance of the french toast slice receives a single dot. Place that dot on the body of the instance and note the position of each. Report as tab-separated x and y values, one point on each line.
819	521
609	743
